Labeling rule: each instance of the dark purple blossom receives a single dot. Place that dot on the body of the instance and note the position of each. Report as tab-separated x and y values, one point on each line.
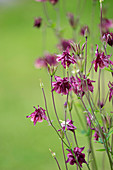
108	37
66	58
84	30
96	136
38	115
61	86
101	60
48	59
38	22
110	85
64	44
80	157
69	125
80	86
53	1
106	24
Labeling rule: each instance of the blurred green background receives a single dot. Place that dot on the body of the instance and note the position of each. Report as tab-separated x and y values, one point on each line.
23	146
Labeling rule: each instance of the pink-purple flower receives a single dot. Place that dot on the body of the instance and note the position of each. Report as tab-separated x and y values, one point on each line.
101	60
38	22
80	157
53	1
110	85
80	86
84	30
106	24
108	37
48	59
66	58
68	125
61	86
64	44
38	115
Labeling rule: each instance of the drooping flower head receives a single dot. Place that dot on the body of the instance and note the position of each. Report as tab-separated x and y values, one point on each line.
84	30
64	44
101	60
38	115
78	154
66	58
53	1
110	85
61	86
106	24
108	37
44	61
38	22
69	125
80	86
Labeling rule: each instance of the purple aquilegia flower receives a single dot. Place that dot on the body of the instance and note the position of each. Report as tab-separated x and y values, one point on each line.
81	86
110	85
69	125
61	86
64	44
51	59
66	59
101	60
96	136
53	1
84	30
38	115
40	0
48	59
106	24
38	22
40	62
108	37
78	154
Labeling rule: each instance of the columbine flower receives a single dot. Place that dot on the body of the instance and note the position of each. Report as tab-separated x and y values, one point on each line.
53	1
78	154
64	44
106	24
38	22
108	37
73	22
110	85
96	136
66	59
84	30
81	86
69	125
61	86
38	115
101	60
48	59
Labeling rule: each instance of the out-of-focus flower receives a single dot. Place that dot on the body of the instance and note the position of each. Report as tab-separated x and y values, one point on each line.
96	136
69	125
38	115
101	60
106	24
38	22
73	22
81	86
53	1
110	85
66	58
108	37
48	59
40	62
40	0
61	86
84	31
64	44
101	104
78	154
